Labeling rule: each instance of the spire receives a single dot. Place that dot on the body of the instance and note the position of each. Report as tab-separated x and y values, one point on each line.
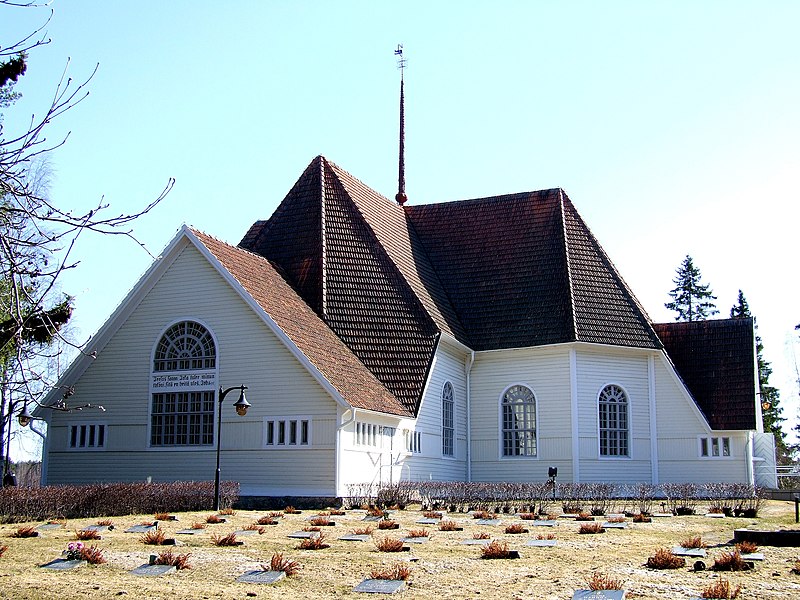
401	178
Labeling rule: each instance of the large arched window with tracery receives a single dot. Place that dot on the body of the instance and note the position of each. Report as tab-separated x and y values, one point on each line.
518	407
613	421
183	387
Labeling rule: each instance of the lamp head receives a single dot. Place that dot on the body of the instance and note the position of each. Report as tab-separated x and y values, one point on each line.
24	418
241	405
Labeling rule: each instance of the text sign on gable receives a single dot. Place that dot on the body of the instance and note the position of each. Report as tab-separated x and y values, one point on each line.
184	382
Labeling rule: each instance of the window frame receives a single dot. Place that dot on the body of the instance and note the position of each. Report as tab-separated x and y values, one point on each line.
448	431
708	442
627	430
286	428
87	424
501	424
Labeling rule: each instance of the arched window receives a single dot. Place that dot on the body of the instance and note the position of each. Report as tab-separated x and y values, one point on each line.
448	420
613	419
519	421
182	404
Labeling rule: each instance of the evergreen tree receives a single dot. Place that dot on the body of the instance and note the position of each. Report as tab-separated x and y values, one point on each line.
692	300
771	417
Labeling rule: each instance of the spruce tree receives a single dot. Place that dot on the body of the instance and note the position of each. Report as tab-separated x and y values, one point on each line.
771	417
691	299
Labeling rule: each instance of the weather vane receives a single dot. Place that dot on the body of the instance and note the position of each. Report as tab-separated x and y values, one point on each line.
401	196
401	62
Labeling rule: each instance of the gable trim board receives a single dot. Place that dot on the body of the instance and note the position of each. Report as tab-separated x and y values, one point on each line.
372	300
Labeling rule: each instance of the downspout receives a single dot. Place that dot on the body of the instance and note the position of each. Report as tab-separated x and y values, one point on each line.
470	362
337	468
748	450
45	448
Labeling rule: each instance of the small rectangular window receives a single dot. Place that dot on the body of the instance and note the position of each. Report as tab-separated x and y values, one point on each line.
726	446
293	433
714	446
281	432
304	432
90	436
270	433
703	446
287	432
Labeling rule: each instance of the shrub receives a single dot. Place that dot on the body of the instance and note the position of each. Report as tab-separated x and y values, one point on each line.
93	555
161	516
279	563
730	561
267	521
516	528
86	534
224	540
429	514
695	542
291	510
3	550
105	523
616	520
25	532
179	561
584	517
388	544
721	589
387	524
254	527
198	525
153	538
314	543
321	521
397	572
336	513
747	547
591	528
600	581
548	536
149	523
482	514
213	519
527	517
418	533
362	530
495	549
228	511
481	535
311	528
664	559
448	526
276	515
641	518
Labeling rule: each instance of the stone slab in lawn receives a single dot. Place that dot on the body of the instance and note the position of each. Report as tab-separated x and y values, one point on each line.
753	556
474	542
191	531
371	518
98	528
268	577
662	515
427	521
304	534
609	525
715	515
356	538
153	570
693	552
49	526
542	543
141	528
598	595
245	532
380	586
543	523
487	521
615	516
61	564
415	540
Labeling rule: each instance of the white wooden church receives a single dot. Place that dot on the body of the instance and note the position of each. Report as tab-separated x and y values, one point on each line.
475	340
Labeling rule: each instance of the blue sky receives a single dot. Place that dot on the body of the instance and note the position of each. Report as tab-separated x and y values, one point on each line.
672	126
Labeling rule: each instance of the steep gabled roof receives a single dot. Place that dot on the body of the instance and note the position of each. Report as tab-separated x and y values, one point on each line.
353	381
716	361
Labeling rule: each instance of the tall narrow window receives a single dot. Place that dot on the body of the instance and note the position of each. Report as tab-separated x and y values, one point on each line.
613	418
519	422
448	420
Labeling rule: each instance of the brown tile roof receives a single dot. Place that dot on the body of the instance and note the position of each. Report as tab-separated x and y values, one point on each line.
354	382
716	361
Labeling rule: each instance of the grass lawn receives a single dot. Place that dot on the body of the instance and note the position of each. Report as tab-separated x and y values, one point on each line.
445	567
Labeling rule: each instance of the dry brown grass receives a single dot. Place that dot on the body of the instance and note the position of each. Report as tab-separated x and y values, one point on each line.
3	550
198	525
694	542
316	542
267	521
397	572
179	561
592	527
730	561
665	559
93	555
388	544
601	581
153	538
418	533
721	589
546	536
362	530
481	535
105	523
25	532
482	514
311	528
225	540
291	510
430	514
321	521
747	547
516	528
279	563
87	534
387	524
254	527
495	549
161	516
527	516
616	520
228	512
448	526
214	519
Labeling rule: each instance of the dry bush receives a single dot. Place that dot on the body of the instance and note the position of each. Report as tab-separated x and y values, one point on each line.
495	549
600	581
314	543
276	515
388	544
87	534
747	547
516	528
362	530
213	519
796	567
664	559
25	532
267	521
149	523
448	526
397	572
324	513
161	516
721	589
321	521
430	514
105	523
374	511
179	561
227	511
387	524
616	520
198	525
527	517
481	535
291	510
695	542
591	528
482	514
418	533
279	563
152	538
730	561
584	516
224	540
641	518
93	555
311	528
3	550
335	512
547	536
254	527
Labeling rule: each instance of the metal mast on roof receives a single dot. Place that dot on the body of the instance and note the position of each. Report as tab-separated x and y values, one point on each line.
401	179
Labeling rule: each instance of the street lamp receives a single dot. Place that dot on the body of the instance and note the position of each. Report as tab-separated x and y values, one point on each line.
241	406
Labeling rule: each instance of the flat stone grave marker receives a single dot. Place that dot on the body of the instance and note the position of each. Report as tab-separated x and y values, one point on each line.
543	523
598	595
380	586
304	534
240	532
488	522
610	525
568	516
191	531
753	556
141	528
355	538
662	515
615	516
153	570
61	564
415	540
542	543
372	518
693	552
428	521
715	515
49	526
474	542
261	576
98	528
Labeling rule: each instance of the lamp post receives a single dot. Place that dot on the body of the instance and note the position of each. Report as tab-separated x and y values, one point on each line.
241	406
552	473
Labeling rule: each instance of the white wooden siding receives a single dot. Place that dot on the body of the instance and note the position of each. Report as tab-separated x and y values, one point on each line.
247	353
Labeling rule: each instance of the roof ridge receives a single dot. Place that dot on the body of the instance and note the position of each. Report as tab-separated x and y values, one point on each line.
572	310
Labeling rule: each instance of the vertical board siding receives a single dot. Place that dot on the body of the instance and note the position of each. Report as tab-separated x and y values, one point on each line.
247	353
